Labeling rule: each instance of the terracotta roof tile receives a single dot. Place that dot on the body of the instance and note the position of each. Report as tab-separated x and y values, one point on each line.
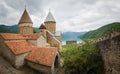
10	36
43	56
32	36
19	47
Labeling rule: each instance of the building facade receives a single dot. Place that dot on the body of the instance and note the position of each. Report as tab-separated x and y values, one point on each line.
39	51
48	29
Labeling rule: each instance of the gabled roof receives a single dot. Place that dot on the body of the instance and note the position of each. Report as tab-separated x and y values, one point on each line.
42	27
32	36
19	47
42	56
49	18
10	36
25	18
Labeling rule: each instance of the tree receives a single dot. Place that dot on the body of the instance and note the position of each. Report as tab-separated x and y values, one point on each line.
85	59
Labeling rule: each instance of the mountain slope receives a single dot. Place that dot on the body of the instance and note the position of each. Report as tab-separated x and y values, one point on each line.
8	29
95	34
36	30
12	29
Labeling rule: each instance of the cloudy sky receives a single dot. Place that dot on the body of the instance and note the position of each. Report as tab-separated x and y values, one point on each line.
70	15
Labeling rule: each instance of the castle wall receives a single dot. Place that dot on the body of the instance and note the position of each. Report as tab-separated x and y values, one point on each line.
59	37
110	49
53	42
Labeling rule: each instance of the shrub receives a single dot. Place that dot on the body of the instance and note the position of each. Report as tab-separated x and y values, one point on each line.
84	59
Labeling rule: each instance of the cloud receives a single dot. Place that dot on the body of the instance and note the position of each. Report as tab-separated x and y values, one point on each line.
70	15
7	13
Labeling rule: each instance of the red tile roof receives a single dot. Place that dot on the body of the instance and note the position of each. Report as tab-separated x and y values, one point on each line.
19	47
32	36
10	36
43	56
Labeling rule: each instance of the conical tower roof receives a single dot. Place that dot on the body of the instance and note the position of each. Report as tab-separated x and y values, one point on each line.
25	18
42	27
49	18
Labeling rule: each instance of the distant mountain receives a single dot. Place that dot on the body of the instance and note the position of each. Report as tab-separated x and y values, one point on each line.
8	29
36	30
12	29
72	36
102	31
65	36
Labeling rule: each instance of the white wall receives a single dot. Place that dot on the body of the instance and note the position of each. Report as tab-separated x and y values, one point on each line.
41	42
20	60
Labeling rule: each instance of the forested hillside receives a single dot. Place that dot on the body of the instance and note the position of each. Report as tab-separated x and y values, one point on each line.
102	31
13	29
8	29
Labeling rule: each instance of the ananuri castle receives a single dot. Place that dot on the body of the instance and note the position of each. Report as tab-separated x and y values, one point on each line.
39	51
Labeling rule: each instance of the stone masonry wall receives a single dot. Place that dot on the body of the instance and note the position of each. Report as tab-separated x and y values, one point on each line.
110	49
53	42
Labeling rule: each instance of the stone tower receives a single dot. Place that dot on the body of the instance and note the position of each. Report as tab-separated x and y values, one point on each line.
42	29
25	24
50	23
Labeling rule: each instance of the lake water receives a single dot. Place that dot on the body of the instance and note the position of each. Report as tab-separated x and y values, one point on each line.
69	39
70	36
